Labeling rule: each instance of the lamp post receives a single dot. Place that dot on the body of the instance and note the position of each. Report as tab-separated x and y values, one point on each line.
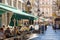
28	5
38	10
38	13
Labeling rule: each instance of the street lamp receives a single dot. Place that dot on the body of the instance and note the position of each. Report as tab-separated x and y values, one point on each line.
38	10
28	5
38	13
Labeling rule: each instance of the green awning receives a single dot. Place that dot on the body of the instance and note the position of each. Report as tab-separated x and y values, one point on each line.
14	10
18	17
1	12
18	14
12	23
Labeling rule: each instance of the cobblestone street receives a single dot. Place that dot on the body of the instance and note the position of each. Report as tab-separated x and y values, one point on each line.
50	34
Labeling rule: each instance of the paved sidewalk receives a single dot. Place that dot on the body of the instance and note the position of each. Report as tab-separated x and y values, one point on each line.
50	34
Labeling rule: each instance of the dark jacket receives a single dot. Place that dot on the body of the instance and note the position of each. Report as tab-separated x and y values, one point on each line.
42	27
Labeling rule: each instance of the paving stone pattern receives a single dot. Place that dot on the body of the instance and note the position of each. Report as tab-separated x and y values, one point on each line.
50	34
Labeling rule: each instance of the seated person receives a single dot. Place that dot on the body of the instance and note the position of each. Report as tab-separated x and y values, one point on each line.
15	31
25	28
8	33
2	35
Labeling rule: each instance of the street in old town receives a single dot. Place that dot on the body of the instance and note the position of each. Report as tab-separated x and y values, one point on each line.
29	19
50	34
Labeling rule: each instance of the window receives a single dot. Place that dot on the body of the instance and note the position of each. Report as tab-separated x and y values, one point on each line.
9	2
46	12
59	7
23	6
37	1
19	4
49	2
14	3
0	1
54	3
42	2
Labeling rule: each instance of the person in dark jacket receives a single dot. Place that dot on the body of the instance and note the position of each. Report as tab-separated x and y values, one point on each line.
54	27
45	27
8	32
42	28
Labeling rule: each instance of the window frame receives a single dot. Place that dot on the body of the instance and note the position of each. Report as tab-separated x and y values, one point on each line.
9	2
14	3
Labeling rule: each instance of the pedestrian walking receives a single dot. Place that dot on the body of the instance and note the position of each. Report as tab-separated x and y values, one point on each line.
55	27
45	27
39	28
42	28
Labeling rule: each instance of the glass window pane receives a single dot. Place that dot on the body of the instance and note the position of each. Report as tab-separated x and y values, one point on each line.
14	3
9	2
23	6
19	4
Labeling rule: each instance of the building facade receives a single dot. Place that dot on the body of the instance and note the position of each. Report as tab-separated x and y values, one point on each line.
56	13
45	7
6	17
